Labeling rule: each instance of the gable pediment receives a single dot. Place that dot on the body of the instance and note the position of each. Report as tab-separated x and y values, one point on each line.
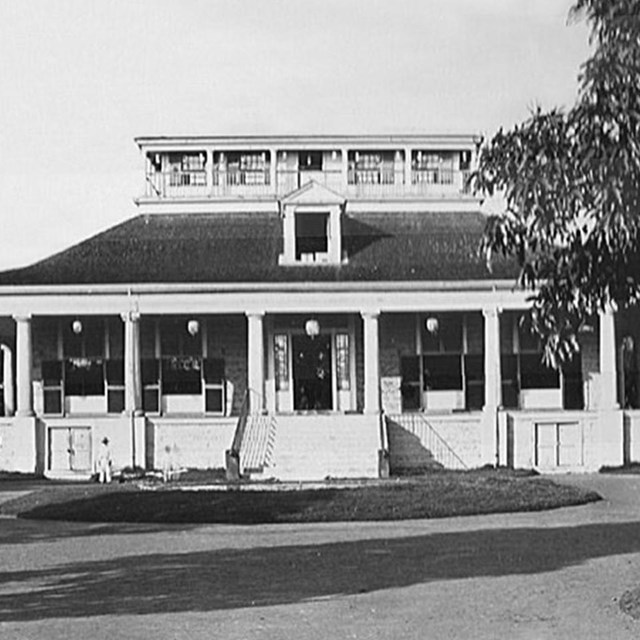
313	193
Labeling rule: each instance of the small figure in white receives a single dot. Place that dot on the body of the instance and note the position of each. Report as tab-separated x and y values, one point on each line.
104	462
169	470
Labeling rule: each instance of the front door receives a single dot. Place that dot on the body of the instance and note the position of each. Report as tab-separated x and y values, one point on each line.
70	449
312	377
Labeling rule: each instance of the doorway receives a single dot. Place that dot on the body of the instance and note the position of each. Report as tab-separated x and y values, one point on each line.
312	373
70	449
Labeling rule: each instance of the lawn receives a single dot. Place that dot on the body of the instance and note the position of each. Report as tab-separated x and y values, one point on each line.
432	496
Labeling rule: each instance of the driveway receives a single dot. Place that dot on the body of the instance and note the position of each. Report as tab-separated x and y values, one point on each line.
555	574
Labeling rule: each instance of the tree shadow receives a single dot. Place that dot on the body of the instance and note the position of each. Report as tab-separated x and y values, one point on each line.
235	578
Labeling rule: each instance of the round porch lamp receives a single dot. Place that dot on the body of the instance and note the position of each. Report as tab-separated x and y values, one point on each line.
76	327
312	327
193	326
432	325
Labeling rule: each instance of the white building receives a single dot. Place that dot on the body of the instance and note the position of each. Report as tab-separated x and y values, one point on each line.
302	307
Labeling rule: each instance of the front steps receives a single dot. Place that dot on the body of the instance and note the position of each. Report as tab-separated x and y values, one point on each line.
319	446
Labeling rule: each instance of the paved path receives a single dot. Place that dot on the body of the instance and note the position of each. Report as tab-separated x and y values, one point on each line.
556	574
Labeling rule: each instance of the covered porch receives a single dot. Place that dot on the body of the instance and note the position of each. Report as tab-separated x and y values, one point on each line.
459	380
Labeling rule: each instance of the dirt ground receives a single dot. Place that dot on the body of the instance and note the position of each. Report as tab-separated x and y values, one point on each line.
556	574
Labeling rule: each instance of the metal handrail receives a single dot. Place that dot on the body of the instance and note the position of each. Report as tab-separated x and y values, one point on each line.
442	441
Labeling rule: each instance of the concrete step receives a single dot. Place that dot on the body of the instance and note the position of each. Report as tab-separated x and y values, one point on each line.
314	447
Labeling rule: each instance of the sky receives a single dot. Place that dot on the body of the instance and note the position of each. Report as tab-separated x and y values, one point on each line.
79	79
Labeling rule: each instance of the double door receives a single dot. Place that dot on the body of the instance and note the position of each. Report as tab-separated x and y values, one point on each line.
314	373
70	449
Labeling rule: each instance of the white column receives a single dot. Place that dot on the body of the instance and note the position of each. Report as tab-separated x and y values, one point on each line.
24	365
494	444
132	367
210	170
273	175
7	383
371	362
345	168
492	374
255	363
608	378
407	167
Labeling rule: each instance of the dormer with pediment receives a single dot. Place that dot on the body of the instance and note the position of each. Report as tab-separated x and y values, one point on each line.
312	226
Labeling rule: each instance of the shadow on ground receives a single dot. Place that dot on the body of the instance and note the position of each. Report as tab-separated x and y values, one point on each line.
231	578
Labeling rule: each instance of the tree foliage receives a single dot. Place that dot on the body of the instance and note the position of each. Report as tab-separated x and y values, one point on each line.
570	182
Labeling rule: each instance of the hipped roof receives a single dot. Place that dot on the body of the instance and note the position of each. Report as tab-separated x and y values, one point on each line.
245	247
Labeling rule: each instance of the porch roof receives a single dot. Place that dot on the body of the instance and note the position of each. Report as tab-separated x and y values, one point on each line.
244	247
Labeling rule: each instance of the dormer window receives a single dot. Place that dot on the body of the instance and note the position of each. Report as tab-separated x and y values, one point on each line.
311	226
312	236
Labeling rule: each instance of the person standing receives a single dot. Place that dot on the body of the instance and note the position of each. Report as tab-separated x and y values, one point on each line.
104	461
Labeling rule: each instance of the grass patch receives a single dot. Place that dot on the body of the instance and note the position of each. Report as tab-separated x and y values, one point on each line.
435	496
632	468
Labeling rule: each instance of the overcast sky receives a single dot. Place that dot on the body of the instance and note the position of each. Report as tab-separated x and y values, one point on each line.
79	79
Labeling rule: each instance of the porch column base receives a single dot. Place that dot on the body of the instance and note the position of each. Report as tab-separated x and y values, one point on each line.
25	439
139	436
489	439
608	445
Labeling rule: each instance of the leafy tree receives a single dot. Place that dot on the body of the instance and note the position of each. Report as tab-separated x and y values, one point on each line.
570	187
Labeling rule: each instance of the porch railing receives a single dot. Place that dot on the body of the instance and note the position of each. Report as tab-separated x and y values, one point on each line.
177	184
441	451
364	183
291	179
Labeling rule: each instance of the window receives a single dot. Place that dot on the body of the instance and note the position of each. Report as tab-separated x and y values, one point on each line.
474	381
411	386
342	362
432	167
52	387
442	372
281	355
83	377
187	169
150	370
310	161
523	368
214	385
442	346
534	374
371	167
114	374
312	235
181	375
247	168
451	359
